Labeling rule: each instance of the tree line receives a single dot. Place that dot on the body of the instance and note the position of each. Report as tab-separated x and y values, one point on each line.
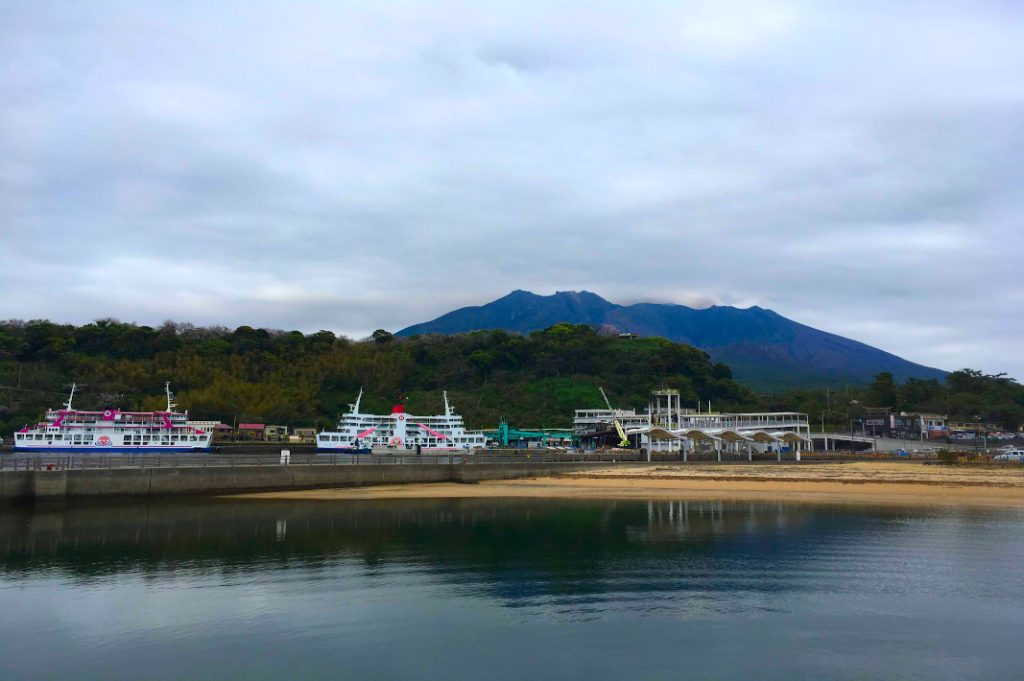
308	379
297	379
966	395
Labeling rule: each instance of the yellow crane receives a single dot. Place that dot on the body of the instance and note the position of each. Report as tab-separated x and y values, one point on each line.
624	441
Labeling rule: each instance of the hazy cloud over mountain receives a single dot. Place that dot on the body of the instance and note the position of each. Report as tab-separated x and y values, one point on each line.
855	166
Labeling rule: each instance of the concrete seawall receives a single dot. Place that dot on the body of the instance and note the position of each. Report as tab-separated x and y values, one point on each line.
61	485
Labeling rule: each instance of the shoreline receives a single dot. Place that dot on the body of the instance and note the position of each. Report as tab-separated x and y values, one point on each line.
853	484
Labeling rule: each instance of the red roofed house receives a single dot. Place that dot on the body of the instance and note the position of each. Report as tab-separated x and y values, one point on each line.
252	431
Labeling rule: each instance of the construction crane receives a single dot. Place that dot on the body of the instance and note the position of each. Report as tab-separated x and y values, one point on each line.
623	440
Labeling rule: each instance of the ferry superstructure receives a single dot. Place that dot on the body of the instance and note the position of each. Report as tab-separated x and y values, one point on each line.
359	432
113	430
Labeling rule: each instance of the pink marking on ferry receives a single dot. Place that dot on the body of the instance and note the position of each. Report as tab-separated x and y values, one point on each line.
199	431
432	432
365	432
398	409
167	421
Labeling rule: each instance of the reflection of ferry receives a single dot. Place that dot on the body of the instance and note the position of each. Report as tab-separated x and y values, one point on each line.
113	430
358	432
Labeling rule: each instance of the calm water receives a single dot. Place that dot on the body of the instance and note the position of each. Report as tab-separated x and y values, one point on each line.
509	589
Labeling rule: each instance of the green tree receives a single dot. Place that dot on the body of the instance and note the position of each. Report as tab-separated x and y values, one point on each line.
882	391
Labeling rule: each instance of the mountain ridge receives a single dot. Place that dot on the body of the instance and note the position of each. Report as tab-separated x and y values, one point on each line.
764	348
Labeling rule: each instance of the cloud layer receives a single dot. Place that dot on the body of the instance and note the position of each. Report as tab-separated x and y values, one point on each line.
853	165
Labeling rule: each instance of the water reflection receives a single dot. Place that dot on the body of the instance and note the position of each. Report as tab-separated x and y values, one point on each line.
310	587
562	547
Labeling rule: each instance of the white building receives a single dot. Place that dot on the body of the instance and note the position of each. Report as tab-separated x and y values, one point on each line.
205	426
666	427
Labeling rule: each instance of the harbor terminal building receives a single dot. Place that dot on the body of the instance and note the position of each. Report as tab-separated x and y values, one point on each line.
665	426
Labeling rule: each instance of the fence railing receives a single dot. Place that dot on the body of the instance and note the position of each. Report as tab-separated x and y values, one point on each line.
44	461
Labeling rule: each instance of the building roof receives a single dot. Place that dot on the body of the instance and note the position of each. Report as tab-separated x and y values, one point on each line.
251	426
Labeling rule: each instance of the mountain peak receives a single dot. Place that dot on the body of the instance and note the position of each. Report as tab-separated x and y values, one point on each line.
760	345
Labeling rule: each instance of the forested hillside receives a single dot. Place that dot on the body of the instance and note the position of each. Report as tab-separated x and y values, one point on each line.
538	379
292	378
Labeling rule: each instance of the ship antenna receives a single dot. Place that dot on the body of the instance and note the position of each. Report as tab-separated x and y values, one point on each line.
67	405
447	407
170	404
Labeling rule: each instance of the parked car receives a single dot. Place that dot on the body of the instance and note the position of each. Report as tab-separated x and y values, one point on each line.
1014	455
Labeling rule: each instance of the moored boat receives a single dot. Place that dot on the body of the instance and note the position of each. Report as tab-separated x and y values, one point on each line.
113	430
398	431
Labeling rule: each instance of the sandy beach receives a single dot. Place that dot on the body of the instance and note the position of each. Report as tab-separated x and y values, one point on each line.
849	483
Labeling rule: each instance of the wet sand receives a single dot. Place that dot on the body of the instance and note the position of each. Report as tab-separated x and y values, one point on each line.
851	483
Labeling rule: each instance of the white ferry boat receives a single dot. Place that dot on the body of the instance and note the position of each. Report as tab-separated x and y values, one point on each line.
359	433
113	430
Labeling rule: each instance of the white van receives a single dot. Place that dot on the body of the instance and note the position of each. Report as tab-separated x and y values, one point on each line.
1015	455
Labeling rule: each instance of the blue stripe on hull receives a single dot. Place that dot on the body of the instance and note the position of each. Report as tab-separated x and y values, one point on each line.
423	450
110	450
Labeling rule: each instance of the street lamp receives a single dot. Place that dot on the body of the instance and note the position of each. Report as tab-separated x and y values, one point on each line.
977	420
850	404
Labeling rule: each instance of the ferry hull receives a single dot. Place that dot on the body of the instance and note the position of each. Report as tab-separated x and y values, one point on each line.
343	450
410	449
112	450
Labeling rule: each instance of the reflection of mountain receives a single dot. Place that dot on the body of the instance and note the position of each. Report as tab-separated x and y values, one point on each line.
525	552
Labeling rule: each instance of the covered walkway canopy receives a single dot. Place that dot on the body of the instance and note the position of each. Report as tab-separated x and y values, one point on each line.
714	435
720	436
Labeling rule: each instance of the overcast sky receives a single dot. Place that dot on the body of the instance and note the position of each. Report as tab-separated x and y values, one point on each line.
856	166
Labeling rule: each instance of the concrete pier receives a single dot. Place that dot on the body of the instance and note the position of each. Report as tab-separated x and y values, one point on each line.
75	484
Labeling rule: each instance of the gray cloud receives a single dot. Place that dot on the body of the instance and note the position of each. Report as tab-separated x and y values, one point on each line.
852	165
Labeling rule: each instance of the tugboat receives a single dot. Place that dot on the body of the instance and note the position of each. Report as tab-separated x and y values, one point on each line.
113	430
359	433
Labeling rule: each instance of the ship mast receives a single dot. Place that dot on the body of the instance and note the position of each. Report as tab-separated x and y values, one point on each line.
447	407
67	405
355	407
170	404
